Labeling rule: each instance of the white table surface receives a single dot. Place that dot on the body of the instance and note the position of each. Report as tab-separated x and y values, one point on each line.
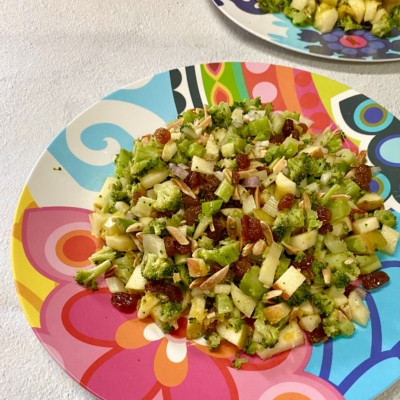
59	57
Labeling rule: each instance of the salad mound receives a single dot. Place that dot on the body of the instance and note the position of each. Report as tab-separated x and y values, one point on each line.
243	221
380	17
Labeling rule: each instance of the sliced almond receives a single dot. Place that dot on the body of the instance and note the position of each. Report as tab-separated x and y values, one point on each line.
207	122
231	227
177	235
327	274
176	124
185	188
259	247
362	155
349	261
267	233
110	272
205	108
137	242
215	279
306	202
197	267
136	227
247	249
340	196
197	282
292	249
272	294
257	197
350	174
193	245
244	174
236	195
278	167
211	226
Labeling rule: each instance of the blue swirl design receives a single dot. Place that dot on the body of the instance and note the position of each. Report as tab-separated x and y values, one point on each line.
89	176
156	96
248	6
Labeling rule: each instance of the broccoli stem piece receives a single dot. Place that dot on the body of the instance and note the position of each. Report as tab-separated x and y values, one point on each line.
88	277
325	198
106	253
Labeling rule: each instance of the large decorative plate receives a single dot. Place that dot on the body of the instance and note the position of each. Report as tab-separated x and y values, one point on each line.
276	28
114	355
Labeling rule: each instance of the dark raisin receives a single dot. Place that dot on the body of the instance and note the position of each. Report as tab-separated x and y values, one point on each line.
182	248
136	196
162	135
165	214
363	176
171	291
374	280
286	201
305	263
241	267
243	161
193	179
276	139
318	335
169	245
191	214
189	201
125	302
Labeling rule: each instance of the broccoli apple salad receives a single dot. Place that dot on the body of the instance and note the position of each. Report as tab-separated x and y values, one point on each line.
246	224
380	17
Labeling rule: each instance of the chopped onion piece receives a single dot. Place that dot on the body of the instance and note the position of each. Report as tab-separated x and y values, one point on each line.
219	175
178	171
189	133
183	166
326	177
361	292
252	181
305	120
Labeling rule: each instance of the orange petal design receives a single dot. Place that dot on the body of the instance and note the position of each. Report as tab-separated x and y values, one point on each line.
130	334
225	350
291	396
219	93
167	372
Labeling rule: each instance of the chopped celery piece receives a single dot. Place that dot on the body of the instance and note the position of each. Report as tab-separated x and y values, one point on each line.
223	303
225	190
211	207
195	150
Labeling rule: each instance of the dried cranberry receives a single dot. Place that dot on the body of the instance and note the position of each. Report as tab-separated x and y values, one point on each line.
286	201
318	335
215	267
210	196
165	214
325	229
214	235
276	139
191	214
324	214
305	263
241	267
136	196
125	302
289	129
169	245
348	289
363	176
162	135
243	161
171	291
232	204
375	280
193	179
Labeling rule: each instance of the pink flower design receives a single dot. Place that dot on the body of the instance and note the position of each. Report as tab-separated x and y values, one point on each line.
116	355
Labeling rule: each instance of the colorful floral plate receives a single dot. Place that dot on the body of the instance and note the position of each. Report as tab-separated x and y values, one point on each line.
114	355
276	28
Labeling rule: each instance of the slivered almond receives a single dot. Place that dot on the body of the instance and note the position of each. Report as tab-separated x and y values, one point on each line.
136	227
139	235
110	272
183	222
244	174
137	242
236	195
176	124
177	235
362	155
185	188
193	245
267	233
273	293
278	167
207	122
214	279
247	249
211	226
348	261
340	196
259	247
292	249
257	197
197	282
350	174
293	313
231	227
327	274
205	108
136	261
306	202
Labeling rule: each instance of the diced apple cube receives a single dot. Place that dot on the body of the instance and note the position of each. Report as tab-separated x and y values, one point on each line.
305	240
359	311
392	238
137	281
364	225
289	282
289	337
277	312
310	322
202	166
244	303
283	186
370	202
269	265
229	333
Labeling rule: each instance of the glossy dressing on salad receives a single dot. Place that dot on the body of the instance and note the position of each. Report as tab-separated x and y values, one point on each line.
242	221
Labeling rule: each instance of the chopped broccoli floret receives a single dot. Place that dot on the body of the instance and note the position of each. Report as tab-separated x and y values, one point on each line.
220	114
170	311
351	270
106	253
157	227
238	362
288	220
254	104
184	274
312	221
206	243
395	15
340	279
236	323
333	326
383	26
252	347
145	157
213	341
272	6
154	268
323	302
88	277
348	24
301	294
122	164
298	17
299	167
269	333
224	255
169	197
386	217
